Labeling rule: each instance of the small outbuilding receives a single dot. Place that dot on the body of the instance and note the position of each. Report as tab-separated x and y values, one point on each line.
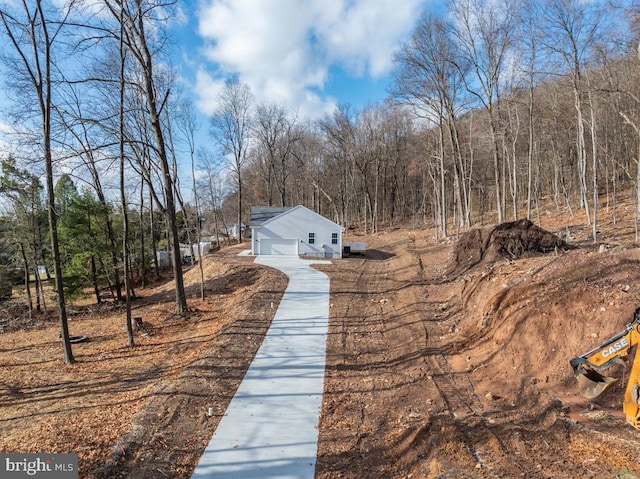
296	231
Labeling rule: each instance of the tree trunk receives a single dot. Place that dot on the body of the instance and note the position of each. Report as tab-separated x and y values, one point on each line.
154	245
167	181
27	287
239	206
123	196
442	217
496	165
594	152
94	279
143	259
44	98
581	152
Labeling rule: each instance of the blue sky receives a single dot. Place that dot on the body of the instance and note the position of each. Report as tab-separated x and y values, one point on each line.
306	55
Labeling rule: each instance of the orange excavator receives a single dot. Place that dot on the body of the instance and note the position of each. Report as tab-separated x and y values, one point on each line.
612	351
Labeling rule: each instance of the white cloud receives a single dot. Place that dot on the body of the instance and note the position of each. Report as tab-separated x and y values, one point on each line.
208	90
284	49
366	34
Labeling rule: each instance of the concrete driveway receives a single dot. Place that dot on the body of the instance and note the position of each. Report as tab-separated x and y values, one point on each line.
270	429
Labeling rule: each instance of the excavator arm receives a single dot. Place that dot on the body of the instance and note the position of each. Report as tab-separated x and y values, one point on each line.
612	351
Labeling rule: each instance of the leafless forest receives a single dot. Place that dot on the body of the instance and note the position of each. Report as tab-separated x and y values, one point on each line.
496	107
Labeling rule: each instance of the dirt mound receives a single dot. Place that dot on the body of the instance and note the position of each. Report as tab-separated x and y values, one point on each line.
511	240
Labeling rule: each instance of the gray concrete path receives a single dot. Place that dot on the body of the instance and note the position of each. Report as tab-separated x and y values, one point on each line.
270	429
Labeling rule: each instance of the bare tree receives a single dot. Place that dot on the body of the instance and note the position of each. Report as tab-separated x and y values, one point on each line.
573	28
212	187
135	17
529	36
188	126
34	44
230	125
430	76
123	197
276	136
485	30
635	125
340	145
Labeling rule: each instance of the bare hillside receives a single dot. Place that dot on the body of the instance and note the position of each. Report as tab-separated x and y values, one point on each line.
432	375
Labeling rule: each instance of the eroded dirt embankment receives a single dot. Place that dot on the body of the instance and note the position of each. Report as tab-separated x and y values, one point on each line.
441	371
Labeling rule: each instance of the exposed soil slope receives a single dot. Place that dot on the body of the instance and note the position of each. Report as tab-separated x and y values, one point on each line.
438	376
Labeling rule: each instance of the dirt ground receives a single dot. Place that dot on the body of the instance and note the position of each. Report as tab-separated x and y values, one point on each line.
437	376
141	412
444	360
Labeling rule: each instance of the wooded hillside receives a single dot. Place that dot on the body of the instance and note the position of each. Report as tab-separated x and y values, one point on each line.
495	107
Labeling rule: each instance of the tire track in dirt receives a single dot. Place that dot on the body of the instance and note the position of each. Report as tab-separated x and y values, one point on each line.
462	405
398	406
465	411
377	371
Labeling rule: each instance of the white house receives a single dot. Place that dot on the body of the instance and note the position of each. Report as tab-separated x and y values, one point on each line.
294	231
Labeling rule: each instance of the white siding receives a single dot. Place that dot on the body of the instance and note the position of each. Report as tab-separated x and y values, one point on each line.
297	223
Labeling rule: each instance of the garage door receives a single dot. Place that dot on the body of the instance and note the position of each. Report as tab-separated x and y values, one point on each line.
279	247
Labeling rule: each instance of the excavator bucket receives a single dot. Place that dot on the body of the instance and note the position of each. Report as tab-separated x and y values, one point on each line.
592	384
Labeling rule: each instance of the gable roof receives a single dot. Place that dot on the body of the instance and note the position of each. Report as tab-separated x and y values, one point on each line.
299	207
260	214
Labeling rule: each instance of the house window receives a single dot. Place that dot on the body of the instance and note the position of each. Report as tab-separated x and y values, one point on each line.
334	238
312	238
